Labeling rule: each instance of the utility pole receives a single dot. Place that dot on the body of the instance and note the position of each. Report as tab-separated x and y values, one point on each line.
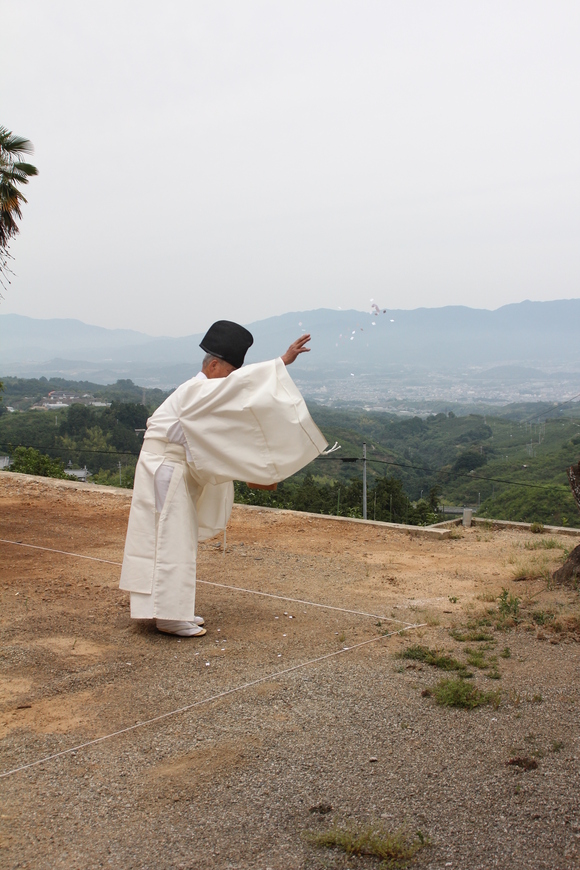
120	481
364	480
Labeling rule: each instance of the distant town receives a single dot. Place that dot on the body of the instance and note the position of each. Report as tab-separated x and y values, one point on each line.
62	399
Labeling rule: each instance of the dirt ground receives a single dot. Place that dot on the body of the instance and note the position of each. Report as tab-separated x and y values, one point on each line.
298	717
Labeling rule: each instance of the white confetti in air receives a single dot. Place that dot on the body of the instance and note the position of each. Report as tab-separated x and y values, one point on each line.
207	664
300	323
279	655
352	374
392	321
373	323
353	332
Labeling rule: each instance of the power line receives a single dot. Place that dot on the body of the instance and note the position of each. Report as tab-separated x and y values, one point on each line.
346	459
551	410
435	471
68	449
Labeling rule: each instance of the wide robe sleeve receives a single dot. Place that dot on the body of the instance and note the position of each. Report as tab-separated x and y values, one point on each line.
253	425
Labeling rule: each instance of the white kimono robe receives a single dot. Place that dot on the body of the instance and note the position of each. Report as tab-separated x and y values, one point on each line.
253	425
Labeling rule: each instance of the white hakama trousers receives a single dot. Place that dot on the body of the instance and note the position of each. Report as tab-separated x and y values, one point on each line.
170	513
172	593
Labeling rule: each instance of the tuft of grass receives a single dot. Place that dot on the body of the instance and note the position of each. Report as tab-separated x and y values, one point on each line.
487	596
395	849
557	745
476	658
506	653
432	657
537	528
535	568
544	544
542	617
473	635
455	692
523	571
508	604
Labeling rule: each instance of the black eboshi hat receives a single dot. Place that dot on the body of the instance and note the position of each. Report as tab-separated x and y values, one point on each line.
228	341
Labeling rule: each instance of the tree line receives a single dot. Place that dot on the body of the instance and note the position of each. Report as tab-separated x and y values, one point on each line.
508	469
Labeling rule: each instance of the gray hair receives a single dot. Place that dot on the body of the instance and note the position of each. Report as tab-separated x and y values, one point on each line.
207	359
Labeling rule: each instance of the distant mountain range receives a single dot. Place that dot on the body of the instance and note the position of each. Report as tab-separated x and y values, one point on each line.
519	351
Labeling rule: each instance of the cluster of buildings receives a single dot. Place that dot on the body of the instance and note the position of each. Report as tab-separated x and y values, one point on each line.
58	399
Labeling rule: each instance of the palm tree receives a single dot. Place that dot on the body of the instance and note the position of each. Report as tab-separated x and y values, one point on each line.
13	173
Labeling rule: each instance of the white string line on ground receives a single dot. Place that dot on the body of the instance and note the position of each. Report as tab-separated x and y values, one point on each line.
62	552
223	585
310	603
216	697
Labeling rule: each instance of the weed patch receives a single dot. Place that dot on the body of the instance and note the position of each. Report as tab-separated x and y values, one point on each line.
476	658
542	617
487	596
508	604
471	635
545	544
432	657
455	692
396	850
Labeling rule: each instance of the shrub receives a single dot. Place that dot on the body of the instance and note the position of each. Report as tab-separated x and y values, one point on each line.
27	460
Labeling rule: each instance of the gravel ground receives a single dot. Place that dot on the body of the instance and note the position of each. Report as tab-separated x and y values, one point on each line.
238	781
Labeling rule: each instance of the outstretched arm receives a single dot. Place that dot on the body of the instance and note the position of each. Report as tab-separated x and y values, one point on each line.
296	348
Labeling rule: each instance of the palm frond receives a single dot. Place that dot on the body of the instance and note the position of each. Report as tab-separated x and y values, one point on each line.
13	173
11	144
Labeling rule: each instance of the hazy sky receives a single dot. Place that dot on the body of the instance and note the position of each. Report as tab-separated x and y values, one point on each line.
201	160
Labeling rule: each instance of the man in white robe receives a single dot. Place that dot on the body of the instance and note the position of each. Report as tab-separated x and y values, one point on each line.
228	423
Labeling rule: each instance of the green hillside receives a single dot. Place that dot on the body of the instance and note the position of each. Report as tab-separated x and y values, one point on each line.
509	469
514	470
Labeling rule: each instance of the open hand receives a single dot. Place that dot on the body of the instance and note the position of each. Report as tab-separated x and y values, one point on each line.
296	348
